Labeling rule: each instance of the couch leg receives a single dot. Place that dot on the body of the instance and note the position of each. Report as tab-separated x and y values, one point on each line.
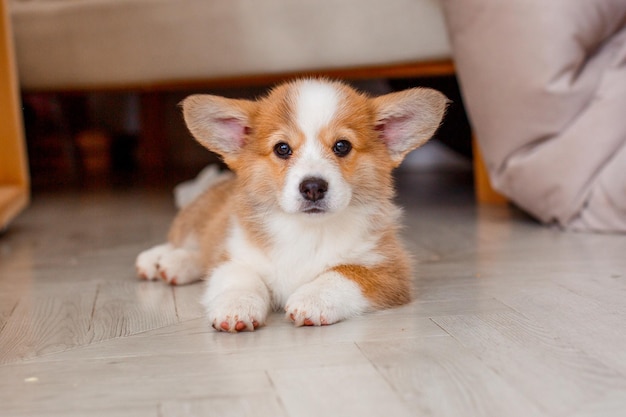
485	194
14	178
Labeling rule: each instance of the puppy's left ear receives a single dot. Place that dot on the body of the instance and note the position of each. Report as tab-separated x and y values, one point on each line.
220	124
407	119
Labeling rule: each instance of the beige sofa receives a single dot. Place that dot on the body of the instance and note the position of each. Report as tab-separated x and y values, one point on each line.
544	82
156	45
95	44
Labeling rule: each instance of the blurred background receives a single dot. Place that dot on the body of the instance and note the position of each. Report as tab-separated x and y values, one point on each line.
92	139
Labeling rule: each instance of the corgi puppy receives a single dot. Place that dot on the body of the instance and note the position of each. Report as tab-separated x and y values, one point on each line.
307	223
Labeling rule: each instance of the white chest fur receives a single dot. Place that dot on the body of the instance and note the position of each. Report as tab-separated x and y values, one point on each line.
302	248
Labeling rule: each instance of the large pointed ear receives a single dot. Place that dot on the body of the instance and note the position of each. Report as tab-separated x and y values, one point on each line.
220	124
407	119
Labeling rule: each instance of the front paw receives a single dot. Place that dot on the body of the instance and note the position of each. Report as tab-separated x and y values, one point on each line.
308	310
236	311
328	299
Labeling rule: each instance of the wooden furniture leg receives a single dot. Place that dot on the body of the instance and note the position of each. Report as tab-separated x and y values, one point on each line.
485	194
14	180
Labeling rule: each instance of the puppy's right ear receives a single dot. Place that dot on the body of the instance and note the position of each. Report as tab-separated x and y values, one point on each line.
220	124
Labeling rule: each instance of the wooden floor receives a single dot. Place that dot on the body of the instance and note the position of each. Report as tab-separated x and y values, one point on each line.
511	319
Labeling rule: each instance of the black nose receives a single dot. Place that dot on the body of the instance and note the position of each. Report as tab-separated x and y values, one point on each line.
313	189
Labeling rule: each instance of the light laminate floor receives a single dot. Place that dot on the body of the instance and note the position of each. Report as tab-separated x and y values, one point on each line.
510	319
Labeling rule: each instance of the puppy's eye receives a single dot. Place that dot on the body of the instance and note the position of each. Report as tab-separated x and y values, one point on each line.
282	150
342	148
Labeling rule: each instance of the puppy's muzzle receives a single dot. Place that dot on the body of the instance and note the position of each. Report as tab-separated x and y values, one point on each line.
313	189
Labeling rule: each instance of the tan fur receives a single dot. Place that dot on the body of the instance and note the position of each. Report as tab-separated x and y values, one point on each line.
374	127
205	222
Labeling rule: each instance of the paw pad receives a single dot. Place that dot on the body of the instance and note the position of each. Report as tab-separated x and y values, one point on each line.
240	326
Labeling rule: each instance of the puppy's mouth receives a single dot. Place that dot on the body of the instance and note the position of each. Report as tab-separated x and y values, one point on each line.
313	208
314	211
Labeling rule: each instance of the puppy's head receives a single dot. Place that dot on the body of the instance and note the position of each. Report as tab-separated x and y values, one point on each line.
313	146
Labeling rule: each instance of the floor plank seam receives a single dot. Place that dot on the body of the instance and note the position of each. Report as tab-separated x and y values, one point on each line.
93	308
175	304
432	319
9	316
279	399
514	309
384	377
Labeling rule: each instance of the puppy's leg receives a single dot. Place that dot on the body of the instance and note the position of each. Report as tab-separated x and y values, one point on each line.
181	266
175	266
147	262
236	298
329	298
349	290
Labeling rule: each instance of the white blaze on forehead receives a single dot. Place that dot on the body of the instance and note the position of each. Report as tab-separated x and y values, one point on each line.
316	105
